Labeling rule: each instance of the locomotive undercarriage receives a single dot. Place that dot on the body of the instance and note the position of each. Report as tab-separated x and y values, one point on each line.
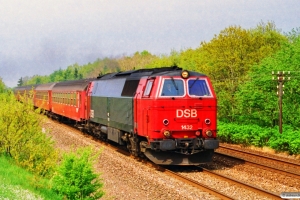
105	133
183	146
192	151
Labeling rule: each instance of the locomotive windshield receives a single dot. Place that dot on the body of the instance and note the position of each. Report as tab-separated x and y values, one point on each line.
198	87
172	87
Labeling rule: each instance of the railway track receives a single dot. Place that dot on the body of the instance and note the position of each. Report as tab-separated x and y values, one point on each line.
203	187
222	195
243	185
268	163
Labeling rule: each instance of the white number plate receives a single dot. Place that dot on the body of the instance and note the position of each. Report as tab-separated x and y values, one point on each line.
186	127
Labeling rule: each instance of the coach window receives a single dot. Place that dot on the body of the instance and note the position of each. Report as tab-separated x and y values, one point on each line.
78	102
74	98
172	87
148	88
69	98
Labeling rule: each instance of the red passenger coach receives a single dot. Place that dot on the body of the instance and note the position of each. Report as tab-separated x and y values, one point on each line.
27	91
43	94
69	99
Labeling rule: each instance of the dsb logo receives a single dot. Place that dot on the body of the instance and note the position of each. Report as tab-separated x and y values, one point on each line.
186	113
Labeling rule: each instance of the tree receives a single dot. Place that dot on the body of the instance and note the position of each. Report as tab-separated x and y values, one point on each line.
22	138
20	82
137	61
76	73
75	178
256	99
2	86
230	55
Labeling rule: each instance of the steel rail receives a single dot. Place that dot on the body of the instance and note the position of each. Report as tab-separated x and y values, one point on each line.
242	184
262	156
261	165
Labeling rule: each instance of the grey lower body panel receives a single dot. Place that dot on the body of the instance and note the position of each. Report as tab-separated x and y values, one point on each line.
171	158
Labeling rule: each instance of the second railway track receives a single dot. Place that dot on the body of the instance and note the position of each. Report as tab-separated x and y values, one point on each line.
281	166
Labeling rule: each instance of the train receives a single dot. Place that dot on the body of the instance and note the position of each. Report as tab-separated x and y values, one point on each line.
167	114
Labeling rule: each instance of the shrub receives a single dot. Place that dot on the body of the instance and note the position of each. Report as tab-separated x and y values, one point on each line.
258	136
21	136
75	178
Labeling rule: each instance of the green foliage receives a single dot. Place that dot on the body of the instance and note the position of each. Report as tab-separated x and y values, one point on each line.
75	178
2	86
230	56
258	136
21	136
288	142
137	61
256	99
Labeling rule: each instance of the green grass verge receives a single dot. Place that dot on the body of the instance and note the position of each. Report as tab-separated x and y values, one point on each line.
17	183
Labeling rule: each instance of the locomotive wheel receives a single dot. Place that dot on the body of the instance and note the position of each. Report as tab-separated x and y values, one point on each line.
129	148
134	145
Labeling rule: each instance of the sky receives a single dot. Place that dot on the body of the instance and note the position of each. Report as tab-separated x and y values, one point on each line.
38	37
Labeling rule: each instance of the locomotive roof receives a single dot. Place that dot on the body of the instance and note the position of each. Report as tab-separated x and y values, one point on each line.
73	85
47	86
153	72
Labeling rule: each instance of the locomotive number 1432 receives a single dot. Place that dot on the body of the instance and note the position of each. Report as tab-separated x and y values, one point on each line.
186	127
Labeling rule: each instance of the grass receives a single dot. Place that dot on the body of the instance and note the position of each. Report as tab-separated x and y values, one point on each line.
17	183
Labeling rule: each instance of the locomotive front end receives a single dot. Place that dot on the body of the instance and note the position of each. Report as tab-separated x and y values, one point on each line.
179	114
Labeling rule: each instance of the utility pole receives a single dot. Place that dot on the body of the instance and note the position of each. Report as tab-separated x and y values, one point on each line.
280	92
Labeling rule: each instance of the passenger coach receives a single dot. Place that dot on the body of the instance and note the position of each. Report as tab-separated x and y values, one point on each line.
70	99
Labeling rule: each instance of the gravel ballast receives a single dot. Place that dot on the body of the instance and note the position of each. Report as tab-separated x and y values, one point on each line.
124	177
127	178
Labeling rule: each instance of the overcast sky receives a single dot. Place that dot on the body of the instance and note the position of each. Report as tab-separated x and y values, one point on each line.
40	36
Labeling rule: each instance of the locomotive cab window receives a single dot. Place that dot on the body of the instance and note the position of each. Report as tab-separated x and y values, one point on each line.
172	87
199	87
148	88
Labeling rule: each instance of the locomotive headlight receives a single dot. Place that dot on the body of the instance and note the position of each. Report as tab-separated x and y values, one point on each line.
185	74
208	133
167	133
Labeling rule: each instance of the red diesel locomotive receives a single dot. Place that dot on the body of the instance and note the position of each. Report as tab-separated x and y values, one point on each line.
167	114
